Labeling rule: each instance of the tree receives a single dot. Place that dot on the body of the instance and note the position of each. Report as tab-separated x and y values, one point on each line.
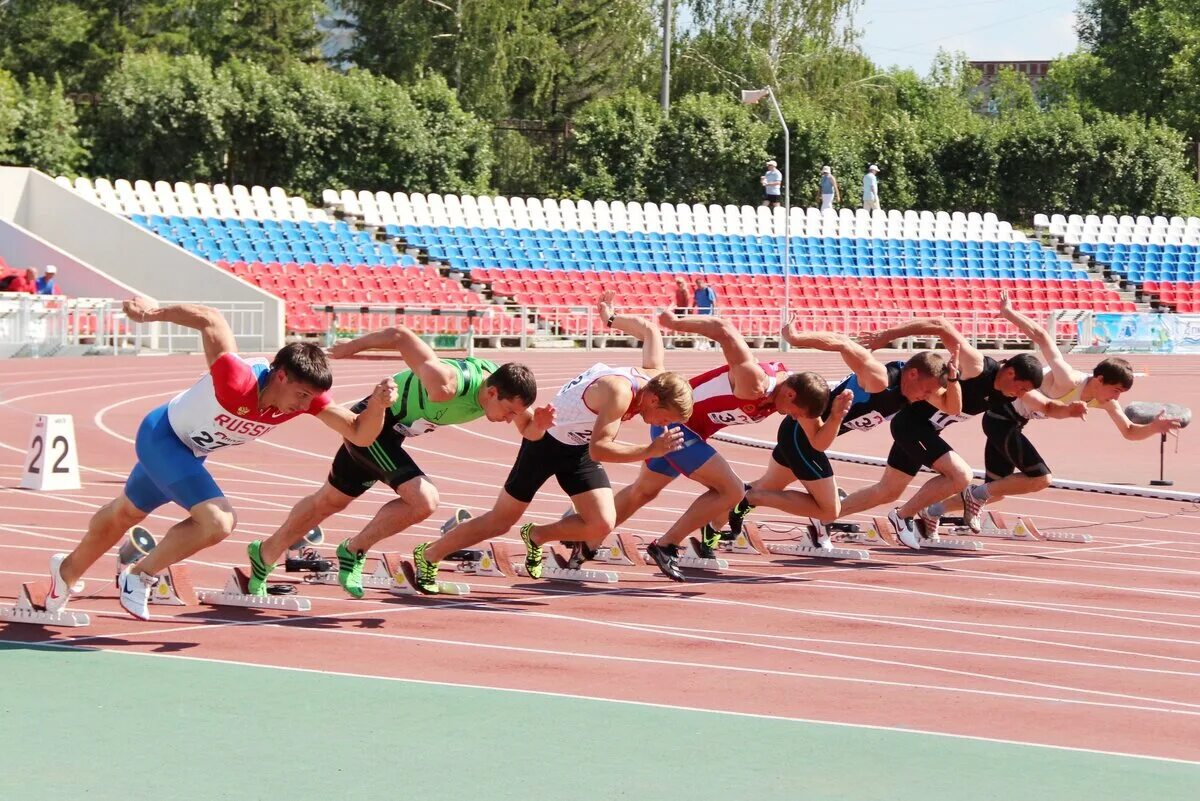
267	31
163	118
10	114
613	147
47	136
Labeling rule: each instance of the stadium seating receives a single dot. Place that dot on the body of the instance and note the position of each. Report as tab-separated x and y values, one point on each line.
1160	255
300	254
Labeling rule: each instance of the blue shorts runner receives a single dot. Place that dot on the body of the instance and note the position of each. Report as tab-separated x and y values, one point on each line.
694	454
167	470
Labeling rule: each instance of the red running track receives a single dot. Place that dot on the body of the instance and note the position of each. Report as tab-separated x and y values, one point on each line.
1092	646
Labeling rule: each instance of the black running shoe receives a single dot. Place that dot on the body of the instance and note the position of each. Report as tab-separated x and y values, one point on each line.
737	516
580	553
667	559
710	540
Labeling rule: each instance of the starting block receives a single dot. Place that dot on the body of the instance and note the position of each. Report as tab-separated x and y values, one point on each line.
620	549
480	561
31	608
397	578
174	587
751	542
554	566
236	593
1024	529
879	533
938	542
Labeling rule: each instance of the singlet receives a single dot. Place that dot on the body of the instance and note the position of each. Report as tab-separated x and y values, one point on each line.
869	409
976	397
574	420
221	409
714	405
1021	410
413	414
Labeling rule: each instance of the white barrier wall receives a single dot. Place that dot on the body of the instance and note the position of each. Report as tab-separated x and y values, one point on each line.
128	254
21	248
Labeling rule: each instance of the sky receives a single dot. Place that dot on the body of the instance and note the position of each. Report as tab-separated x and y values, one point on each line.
908	33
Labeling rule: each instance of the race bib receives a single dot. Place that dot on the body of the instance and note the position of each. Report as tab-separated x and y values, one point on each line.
731	417
940	419
224	431
866	421
416	428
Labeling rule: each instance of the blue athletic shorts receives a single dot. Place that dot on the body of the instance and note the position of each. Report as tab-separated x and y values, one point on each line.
685	461
166	469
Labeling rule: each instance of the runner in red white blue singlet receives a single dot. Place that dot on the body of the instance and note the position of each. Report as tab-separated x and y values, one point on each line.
235	402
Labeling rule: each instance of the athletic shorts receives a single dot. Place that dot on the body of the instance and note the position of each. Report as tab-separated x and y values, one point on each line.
576	471
795	452
694	454
355	470
167	471
1008	450
917	441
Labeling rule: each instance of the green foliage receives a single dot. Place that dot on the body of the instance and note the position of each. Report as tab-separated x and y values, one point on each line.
613	147
163	118
711	150
48	137
1011	93
459	157
10	115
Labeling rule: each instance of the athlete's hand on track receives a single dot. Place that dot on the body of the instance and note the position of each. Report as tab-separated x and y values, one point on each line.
1163	424
668	441
138	309
543	416
842	403
385	392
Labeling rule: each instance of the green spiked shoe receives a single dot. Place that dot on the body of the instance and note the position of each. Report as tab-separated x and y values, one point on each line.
427	571
533	553
260	571
350	567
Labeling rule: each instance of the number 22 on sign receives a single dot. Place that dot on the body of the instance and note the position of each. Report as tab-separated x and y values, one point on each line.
51	462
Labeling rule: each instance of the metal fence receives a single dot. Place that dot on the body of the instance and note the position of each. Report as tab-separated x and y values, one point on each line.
44	325
521	326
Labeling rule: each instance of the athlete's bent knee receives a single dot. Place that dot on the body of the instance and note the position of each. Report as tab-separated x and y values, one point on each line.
1043	482
423	499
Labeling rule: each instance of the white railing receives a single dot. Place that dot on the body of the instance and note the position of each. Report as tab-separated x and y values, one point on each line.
525	326
42	325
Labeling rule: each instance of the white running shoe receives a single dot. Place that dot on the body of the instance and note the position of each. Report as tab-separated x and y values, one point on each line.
972	506
60	593
906	529
135	593
819	534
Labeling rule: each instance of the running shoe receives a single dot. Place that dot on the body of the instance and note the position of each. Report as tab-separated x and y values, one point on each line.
737	516
929	523
580	552
710	540
533	552
667	559
259	570
135	593
906	529
59	592
427	571
818	533
972	506
350	567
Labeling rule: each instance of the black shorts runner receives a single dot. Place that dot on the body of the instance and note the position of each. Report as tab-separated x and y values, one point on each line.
917	441
575	470
1008	450
795	452
355	470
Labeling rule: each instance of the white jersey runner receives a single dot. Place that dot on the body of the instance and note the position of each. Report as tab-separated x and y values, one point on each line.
574	421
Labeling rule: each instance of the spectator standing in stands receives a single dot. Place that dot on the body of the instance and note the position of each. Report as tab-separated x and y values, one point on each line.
45	284
706	303
871	189
772	182
830	193
683	301
24	282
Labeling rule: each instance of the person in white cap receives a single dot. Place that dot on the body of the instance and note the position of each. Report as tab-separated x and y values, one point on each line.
830	193
772	181
45	284
871	189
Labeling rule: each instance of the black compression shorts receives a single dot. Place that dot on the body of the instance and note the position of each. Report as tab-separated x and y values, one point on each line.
1008	450
576	471
795	452
355	470
917	441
